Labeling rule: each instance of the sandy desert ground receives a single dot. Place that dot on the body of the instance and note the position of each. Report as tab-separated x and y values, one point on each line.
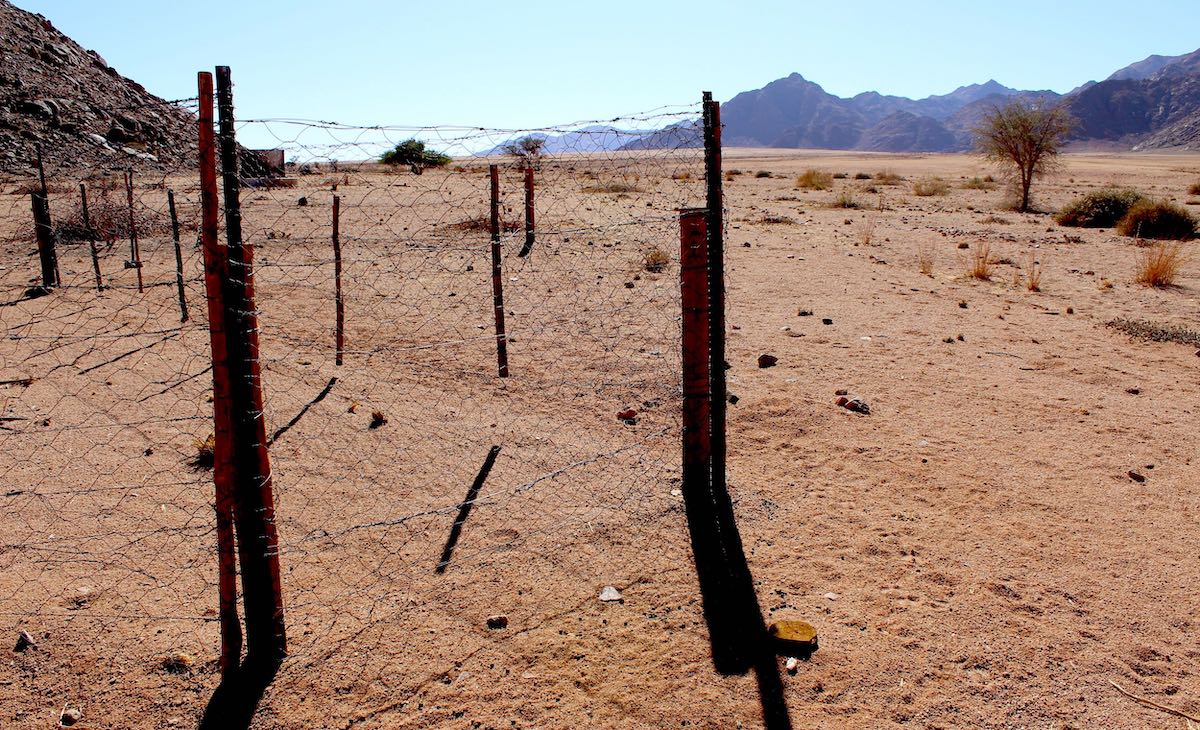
973	553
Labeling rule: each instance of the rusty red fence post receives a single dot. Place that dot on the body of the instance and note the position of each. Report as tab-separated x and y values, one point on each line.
258	541
183	310
337	282
215	265
530	225
43	229
135	250
497	277
91	236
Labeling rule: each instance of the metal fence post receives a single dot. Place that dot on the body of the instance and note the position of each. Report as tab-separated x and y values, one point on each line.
258	544
497	276
215	265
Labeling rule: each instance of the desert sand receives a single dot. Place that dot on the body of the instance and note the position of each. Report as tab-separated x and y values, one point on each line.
972	553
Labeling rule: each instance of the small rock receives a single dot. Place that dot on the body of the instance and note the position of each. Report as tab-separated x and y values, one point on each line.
609	594
733	399
626	414
841	391
303	201
1136	477
1133	391
791	665
832	596
962	304
70	716
767	361
746	244
497	622
1070	310
24	642
377	419
854	404
827	321
805	313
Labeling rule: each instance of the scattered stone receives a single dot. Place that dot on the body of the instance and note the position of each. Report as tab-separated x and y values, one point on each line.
791	665
767	361
832	596
377	419
609	594
948	340
960	338
626	414
805	313
70	716
962	304
497	622
854	404
1133	391
794	638
733	399
1070	310
841	391
826	321
963	245
1136	477
746	244
24	642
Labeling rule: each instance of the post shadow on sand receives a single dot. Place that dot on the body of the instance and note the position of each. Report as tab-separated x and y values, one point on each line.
737	631
233	704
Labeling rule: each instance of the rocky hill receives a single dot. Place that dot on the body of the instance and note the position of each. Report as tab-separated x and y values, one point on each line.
82	113
1150	104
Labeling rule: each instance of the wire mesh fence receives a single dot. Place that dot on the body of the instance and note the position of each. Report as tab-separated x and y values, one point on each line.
430	502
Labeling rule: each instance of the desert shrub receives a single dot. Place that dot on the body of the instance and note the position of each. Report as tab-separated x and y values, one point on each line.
839	176
814	180
762	173
929	186
1159	265
655	260
1158	219
862	176
771	219
981	263
845	199
888	177
415	156
109	217
1099	209
978	183
1194	188
925	260
612	187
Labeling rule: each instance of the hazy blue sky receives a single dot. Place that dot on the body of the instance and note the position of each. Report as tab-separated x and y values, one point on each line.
533	63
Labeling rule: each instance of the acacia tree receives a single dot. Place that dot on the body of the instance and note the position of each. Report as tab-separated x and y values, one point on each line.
1026	137
528	150
412	152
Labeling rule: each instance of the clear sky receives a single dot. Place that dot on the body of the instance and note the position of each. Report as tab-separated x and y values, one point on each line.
526	64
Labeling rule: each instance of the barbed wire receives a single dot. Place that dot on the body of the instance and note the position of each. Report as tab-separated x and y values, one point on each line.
106	415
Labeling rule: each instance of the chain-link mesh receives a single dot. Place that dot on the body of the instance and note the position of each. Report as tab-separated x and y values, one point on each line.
108	551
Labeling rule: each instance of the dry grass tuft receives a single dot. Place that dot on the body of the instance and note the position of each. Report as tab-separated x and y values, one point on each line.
1194	188
205	456
888	176
866	231
1158	265
655	260
845	199
814	180
926	187
981	263
1033	274
925	260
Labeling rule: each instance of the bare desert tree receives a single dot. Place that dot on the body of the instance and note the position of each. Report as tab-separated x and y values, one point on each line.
527	150
1026	137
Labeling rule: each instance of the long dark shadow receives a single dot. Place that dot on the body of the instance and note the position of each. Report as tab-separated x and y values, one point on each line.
236	699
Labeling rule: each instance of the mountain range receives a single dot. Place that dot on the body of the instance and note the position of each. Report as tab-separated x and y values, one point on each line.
1154	103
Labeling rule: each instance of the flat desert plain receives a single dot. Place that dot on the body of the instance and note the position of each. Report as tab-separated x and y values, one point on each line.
1008	532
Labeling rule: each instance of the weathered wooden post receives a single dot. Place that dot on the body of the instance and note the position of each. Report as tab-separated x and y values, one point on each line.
43	229
91	236
339	336
530	226
183	310
497	277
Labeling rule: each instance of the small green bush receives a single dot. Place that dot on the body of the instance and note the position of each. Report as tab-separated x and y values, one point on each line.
1158	219
814	180
762	173
862	176
412	153
1099	209
845	199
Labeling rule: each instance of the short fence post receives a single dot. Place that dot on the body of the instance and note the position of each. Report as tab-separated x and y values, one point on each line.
183	310
91	235
135	251
258	542
337	281
497	278
43	229
215	264
530	225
